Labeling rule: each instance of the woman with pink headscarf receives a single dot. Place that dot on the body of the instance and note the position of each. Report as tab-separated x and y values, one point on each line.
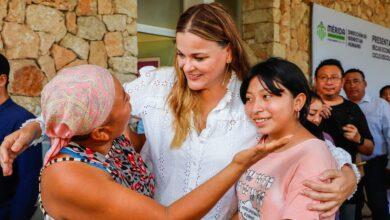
92	172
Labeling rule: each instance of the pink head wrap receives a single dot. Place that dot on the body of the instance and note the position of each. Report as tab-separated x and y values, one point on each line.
75	102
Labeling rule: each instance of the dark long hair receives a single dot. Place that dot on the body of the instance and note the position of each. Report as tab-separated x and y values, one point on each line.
313	128
286	73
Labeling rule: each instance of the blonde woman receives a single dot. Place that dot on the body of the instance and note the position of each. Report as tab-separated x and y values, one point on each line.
193	117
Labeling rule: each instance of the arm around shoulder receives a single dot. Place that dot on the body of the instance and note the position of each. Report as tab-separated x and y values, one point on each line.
313	162
343	160
15	143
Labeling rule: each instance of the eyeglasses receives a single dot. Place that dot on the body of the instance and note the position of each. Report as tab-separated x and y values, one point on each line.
330	79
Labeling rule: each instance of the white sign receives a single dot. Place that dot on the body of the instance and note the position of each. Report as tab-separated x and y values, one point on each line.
355	42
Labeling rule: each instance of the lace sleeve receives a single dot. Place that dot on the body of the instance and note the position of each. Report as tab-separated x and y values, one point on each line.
153	84
41	125
343	158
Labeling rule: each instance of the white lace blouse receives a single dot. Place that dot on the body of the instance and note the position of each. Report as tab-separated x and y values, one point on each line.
178	171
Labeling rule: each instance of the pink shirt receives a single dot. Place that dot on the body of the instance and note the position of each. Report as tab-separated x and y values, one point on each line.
271	188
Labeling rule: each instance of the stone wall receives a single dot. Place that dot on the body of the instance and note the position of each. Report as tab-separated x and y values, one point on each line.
282	27
41	37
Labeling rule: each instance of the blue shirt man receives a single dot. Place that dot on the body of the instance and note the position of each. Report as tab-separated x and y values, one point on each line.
377	112
18	192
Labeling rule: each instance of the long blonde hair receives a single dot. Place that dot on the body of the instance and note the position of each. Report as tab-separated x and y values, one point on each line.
211	22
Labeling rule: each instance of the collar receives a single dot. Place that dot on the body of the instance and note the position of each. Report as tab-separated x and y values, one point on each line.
366	98
7	104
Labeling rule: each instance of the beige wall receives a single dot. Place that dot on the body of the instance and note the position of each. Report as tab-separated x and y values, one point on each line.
282	27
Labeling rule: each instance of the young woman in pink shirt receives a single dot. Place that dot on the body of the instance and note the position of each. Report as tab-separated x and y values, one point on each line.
277	98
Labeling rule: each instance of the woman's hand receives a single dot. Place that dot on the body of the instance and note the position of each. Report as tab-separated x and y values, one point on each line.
331	193
248	157
15	143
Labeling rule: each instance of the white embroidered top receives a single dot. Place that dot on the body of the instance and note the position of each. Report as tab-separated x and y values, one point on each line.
178	171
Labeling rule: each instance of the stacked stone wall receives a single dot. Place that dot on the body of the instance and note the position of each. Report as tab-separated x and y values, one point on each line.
41	37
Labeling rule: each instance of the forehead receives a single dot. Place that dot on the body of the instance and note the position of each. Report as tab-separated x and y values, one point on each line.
258	85
255	85
316	103
329	70
188	41
353	75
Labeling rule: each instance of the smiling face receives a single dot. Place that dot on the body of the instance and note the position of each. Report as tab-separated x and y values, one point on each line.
354	86
273	115
202	61
329	81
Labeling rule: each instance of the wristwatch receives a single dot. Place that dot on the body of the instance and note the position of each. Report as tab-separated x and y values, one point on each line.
361	141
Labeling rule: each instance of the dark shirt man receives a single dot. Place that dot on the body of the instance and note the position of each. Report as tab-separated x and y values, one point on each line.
18	192
347	124
345	113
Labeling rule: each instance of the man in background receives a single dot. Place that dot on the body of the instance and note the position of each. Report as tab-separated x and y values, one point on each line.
377	113
347	124
384	93
18	192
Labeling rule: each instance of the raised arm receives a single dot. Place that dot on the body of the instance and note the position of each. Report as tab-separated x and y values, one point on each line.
16	142
86	193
